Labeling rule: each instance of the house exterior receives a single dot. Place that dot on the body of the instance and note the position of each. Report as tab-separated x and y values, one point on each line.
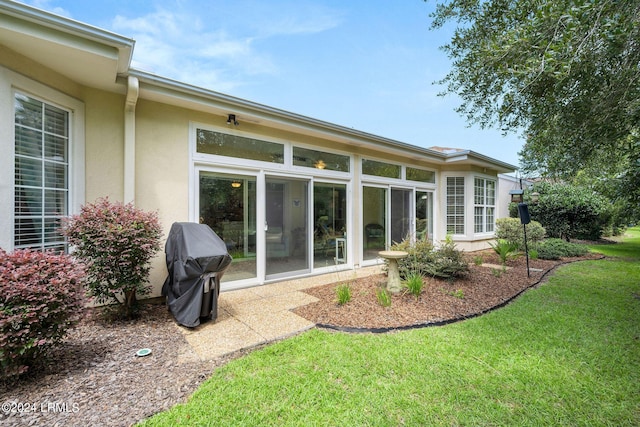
290	195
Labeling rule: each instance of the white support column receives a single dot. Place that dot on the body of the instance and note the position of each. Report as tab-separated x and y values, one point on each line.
133	90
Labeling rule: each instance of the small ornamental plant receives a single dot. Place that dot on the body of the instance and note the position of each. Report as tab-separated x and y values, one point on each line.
116	241
343	294
414	284
384	297
41	297
505	250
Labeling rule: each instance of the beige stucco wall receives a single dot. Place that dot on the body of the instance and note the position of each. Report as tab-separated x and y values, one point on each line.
104	152
162	170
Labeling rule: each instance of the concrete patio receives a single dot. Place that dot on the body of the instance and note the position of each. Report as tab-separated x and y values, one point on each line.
261	314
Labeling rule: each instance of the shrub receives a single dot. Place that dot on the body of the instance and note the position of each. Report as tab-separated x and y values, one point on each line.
448	262
41	297
445	262
557	248
116	241
511	230
570	211
420	253
343	294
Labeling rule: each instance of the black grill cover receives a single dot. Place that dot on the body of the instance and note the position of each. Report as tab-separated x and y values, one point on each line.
196	260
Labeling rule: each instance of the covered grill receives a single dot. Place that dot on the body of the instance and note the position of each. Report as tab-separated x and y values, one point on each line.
196	259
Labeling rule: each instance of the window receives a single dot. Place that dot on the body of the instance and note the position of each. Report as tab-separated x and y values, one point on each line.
455	205
421	175
387	170
484	201
221	144
320	160
41	197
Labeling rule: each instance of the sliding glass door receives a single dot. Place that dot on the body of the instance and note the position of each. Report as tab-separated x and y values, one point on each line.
329	224
286	227
401	216
227	204
374	219
424	215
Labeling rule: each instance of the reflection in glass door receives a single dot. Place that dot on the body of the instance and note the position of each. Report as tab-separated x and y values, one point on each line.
329	224
227	205
424	215
374	217
286	231
400	214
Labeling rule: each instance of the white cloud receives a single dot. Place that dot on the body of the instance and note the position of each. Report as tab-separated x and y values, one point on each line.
216	49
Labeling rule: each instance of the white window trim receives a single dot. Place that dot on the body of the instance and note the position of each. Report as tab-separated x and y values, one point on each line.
484	206
328	174
234	161
10	83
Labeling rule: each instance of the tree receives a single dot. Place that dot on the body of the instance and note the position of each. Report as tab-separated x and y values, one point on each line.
565	73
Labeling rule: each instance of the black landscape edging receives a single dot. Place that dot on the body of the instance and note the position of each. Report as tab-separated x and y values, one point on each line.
448	321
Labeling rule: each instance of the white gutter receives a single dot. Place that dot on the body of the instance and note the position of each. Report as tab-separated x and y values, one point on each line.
133	90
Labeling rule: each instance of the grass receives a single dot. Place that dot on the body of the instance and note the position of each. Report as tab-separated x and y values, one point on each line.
565	354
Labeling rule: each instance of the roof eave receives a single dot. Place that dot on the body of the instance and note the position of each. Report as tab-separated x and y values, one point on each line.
157	87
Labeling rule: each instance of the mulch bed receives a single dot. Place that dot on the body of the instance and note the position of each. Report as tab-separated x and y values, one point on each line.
441	301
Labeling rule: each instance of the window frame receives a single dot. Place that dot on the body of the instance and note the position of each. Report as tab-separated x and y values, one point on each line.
12	83
484	212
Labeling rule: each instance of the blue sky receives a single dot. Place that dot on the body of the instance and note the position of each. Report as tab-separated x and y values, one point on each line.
368	65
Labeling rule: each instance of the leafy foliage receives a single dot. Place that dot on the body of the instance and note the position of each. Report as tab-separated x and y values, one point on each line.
563	72
41	297
445	261
505	249
116	241
569	211
558	248
511	230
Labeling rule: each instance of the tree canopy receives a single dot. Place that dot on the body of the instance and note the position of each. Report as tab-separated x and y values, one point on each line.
564	73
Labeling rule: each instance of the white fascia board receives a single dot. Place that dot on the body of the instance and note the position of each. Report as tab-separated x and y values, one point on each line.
69	31
161	89
469	156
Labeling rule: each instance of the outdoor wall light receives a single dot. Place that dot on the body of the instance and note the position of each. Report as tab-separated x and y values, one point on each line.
232	120
516	196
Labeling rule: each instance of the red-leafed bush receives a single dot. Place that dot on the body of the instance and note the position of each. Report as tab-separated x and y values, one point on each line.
115	241
41	297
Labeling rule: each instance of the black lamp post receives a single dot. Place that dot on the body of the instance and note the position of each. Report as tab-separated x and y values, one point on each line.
517	196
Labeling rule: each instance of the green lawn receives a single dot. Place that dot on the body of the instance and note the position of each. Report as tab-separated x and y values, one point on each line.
565	354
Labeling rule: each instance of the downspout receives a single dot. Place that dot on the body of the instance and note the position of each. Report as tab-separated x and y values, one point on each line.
133	90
